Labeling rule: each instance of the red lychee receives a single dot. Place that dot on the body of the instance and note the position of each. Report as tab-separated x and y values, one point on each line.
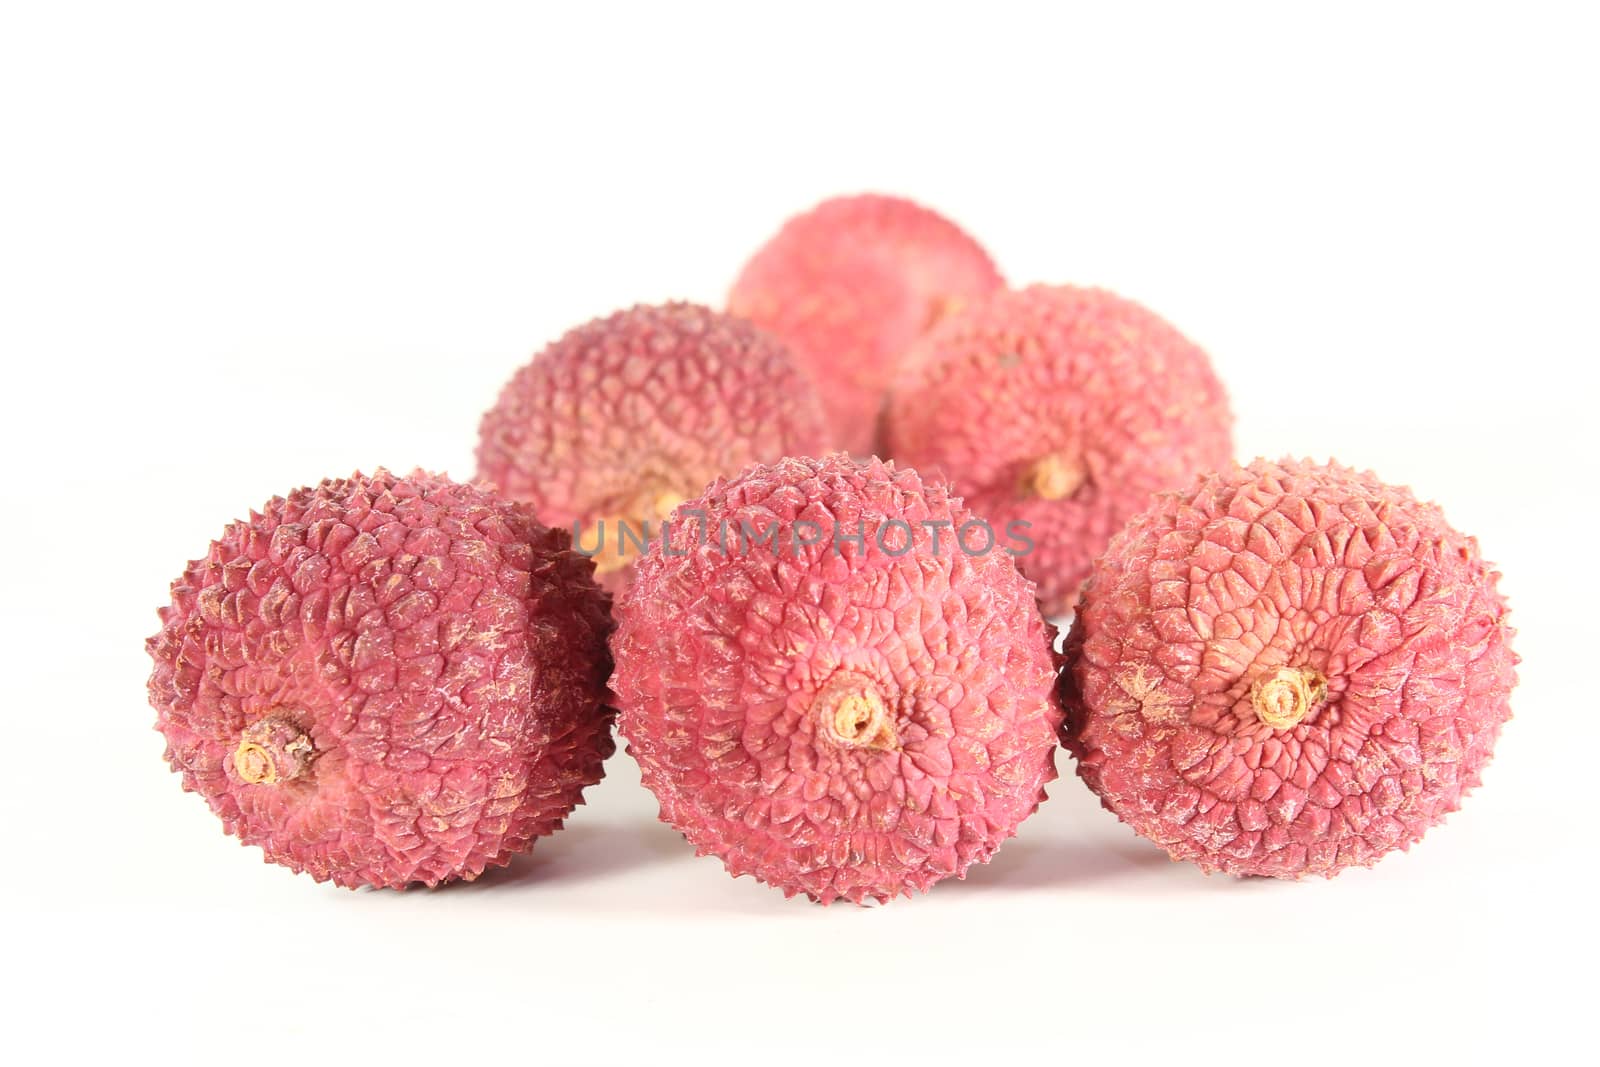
1061	408
386	680
836	680
627	415
850	285
1287	669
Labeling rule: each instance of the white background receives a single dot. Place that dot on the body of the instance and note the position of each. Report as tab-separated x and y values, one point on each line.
241	251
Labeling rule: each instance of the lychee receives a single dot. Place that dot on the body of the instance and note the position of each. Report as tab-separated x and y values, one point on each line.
384	680
612	425
1063	409
850	285
834	678
1287	669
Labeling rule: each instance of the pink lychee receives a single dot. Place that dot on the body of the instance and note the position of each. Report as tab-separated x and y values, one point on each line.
383	681
1061	408
835	680
623	417
850	285
1287	669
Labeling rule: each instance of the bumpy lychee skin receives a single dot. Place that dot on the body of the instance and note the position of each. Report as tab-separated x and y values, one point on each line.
1062	408
1287	669
850	718
384	681
626	416
850	285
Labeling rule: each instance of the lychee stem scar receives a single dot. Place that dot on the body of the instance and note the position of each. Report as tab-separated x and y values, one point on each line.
1283	698
941	308
851	713
1054	476
642	518
272	750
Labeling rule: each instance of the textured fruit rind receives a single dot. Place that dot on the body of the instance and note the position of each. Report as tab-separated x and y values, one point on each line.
724	656
850	285
442	652
1119	401
644	405
1277	571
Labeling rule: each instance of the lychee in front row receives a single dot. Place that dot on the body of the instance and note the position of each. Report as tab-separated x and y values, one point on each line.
1287	669
853	716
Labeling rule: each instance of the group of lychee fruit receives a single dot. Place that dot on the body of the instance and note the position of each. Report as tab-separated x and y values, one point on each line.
837	672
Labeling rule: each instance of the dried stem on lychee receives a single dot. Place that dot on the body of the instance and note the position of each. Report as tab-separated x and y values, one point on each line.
1285	697
851	712
633	526
940	308
1054	476
272	750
